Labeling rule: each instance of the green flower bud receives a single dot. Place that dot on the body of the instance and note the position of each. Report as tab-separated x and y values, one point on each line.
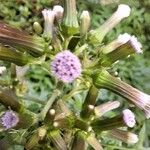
37	27
85	21
70	24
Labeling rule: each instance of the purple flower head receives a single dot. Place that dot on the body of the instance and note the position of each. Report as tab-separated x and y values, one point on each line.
66	66
9	119
129	118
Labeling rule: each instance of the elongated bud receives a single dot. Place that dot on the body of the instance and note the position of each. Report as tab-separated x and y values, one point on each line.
127	118
70	24
13	56
102	79
59	11
38	135
106	107
96	36
57	140
85	21
37	27
125	136
21	41
132	46
90	100
9	99
79	141
122	39
91	139
49	16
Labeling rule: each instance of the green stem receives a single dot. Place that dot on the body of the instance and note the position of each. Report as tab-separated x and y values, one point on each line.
89	100
54	96
57	140
78	142
9	99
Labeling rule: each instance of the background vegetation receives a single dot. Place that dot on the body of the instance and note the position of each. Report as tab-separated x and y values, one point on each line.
134	70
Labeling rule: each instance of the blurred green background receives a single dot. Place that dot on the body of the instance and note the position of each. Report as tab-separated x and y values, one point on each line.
134	70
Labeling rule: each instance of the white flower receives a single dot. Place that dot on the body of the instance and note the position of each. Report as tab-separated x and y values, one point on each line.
49	17
123	11
136	44
124	38
2	69
59	10
129	118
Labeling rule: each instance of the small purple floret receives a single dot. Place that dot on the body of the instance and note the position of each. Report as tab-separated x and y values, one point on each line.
9	119
129	118
66	66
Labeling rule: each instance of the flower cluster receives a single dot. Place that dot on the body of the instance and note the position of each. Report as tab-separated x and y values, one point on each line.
66	66
69	49
9	119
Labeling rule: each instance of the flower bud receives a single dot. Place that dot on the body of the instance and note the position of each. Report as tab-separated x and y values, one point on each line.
106	107
37	27
122	39
49	16
85	21
102	79
96	36
70	24
131	46
94	142
129	118
125	136
88	105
